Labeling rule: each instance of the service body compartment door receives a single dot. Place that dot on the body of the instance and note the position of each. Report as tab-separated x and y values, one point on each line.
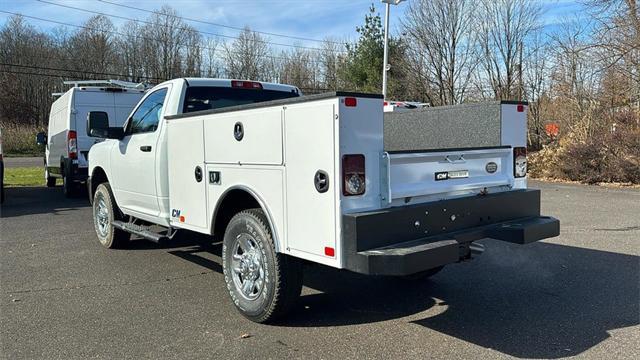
187	185
251	137
309	149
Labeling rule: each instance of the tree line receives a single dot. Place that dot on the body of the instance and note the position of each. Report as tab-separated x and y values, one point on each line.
579	77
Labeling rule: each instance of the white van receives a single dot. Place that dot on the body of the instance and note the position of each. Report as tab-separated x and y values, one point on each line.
67	142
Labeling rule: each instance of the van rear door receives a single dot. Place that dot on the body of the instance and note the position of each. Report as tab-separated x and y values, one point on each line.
116	103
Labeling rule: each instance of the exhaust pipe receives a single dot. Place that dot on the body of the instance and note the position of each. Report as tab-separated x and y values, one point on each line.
476	249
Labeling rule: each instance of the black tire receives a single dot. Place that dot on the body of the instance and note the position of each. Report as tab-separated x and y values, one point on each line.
275	279
69	188
51	181
105	211
423	274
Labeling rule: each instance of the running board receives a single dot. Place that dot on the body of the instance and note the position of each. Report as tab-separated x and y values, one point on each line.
141	231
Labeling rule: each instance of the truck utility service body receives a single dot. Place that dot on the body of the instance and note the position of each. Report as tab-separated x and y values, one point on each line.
329	177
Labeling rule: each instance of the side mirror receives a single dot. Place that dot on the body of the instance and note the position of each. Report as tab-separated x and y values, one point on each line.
41	138
98	126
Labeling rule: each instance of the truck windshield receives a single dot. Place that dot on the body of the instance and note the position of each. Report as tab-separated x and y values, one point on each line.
198	98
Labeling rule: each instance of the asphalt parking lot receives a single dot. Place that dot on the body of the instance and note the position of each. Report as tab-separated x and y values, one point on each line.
64	296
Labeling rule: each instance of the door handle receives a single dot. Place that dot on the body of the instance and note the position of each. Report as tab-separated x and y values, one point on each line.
321	181
145	148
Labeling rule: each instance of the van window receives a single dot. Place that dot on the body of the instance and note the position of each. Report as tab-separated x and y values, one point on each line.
147	116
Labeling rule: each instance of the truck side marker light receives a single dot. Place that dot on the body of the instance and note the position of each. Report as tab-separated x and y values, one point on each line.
181	218
329	251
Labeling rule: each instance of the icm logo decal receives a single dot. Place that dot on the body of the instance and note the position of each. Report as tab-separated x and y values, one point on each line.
175	213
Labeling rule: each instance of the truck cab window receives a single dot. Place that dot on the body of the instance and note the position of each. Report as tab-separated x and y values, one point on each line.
199	98
147	116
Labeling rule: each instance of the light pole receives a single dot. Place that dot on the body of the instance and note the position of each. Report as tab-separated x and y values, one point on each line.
385	65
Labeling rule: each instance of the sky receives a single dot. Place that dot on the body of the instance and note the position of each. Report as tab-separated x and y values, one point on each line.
312	19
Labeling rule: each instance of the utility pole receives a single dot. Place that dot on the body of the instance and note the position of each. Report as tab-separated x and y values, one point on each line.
385	61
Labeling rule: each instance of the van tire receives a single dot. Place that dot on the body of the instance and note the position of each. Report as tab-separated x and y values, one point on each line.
276	279
51	181
69	188
105	211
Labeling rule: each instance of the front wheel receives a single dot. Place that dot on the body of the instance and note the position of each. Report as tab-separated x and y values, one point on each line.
105	211
262	283
51	181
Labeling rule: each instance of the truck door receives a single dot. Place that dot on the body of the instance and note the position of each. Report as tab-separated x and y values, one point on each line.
133	161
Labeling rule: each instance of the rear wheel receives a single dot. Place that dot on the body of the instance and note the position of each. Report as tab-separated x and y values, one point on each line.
262	283
69	188
105	212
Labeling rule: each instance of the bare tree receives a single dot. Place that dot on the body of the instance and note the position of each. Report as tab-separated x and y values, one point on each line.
131	51
618	39
441	44
300	69
504	31
94	45
25	97
211	62
167	43
536	87
330	58
576	79
247	56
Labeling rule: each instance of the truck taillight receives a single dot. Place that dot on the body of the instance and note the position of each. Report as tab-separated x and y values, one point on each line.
72	144
353	175
246	84
351	102
519	162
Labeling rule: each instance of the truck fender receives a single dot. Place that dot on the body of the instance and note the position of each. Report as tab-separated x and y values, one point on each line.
237	198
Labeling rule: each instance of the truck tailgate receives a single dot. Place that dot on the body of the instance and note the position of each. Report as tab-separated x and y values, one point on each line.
442	174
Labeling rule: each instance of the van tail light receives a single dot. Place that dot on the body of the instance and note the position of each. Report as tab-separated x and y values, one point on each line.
519	162
72	144
353	175
246	84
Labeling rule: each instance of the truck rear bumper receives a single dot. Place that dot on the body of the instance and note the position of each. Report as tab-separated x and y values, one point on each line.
407	240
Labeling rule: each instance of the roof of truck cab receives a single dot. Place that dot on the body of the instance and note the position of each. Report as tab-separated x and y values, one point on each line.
227	83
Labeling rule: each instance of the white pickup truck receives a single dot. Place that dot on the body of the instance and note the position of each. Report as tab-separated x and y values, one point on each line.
281	179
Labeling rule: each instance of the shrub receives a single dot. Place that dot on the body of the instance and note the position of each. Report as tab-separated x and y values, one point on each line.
20	139
613	155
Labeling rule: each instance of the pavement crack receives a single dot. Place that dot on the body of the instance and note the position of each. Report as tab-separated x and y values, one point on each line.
131	283
628	228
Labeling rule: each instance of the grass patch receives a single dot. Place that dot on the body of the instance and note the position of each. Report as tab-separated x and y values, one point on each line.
23	176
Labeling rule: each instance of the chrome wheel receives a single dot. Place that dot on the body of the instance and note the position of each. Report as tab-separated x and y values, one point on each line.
247	266
101	216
